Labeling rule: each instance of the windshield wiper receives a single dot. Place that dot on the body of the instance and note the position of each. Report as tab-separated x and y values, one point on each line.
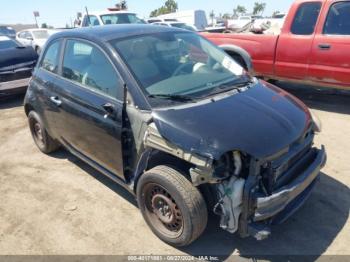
180	98
228	86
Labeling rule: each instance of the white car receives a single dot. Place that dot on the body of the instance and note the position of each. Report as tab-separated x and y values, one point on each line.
34	37
176	24
110	18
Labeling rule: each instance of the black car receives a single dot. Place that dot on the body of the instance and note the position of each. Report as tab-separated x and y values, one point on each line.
177	122
16	65
7	31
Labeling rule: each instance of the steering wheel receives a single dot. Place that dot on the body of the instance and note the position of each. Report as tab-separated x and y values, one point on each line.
181	67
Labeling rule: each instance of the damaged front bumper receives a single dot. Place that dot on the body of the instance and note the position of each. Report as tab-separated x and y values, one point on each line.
267	207
260	212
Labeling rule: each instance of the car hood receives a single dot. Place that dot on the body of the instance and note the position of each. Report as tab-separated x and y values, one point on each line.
11	59
260	121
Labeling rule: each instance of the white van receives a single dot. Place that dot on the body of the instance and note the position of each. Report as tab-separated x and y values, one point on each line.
196	18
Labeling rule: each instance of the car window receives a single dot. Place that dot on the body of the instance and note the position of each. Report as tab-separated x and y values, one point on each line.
87	65
51	58
305	19
6	43
90	20
109	19
338	22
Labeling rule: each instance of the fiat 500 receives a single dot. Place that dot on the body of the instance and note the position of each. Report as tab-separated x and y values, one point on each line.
176	121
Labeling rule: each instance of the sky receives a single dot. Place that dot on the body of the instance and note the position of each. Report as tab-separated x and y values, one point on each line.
58	13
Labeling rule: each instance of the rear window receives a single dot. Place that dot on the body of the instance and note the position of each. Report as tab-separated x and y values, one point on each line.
112	19
305	19
338	22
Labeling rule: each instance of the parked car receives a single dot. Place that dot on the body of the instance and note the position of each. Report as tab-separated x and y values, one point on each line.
7	31
16	65
177	25
313	47
34	37
177	122
110	18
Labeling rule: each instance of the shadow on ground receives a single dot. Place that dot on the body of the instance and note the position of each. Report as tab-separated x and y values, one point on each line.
11	101
325	99
309	232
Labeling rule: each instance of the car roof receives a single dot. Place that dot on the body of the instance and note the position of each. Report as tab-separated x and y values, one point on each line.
109	32
98	13
34	30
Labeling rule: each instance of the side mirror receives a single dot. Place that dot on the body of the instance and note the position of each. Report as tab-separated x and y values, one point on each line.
241	56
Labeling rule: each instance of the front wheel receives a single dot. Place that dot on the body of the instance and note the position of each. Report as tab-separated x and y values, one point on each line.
173	208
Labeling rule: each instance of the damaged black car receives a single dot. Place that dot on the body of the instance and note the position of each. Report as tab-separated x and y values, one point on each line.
16	65
177	122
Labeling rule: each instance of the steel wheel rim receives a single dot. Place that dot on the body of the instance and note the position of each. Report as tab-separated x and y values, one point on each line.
162	210
37	131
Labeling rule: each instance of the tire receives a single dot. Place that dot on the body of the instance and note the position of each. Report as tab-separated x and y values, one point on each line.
38	50
40	136
183	201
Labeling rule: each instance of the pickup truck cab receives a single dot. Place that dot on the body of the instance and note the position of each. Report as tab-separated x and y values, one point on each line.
313	46
110	18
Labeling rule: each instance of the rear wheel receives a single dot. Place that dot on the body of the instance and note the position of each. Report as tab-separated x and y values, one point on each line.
173	208
41	138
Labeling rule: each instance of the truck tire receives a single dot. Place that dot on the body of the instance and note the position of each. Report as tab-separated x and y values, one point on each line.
172	207
40	136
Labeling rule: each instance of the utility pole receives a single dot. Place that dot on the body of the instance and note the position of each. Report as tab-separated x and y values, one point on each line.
36	14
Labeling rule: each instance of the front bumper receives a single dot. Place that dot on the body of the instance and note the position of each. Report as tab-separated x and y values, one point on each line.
270	206
260	211
13	85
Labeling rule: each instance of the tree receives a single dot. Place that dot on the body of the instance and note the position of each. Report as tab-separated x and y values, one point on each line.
239	10
122	5
259	8
170	6
226	16
44	25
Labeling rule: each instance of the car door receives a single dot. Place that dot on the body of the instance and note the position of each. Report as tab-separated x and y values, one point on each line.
44	81
89	100
295	42
330	57
24	38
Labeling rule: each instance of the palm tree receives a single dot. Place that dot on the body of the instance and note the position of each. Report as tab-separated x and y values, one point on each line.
259	8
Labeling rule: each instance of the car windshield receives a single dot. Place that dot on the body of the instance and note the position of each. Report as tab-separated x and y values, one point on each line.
183	26
6	43
178	64
43	34
111	19
7	31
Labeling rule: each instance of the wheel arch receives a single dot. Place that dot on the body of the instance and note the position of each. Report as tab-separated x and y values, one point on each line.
151	158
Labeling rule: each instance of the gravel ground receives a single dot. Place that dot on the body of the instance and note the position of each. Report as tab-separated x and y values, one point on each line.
55	205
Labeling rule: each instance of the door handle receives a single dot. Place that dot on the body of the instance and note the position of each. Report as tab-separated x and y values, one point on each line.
110	111
56	100
324	46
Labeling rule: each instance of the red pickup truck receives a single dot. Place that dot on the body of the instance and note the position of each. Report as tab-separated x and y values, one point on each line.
313	46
